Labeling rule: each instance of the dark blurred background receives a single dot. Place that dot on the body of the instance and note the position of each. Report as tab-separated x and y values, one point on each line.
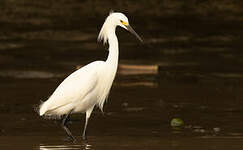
209	31
184	90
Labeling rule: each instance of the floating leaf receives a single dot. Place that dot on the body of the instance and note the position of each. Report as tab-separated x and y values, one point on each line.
176	122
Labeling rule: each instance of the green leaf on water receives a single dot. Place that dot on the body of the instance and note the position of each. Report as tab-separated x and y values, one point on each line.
176	122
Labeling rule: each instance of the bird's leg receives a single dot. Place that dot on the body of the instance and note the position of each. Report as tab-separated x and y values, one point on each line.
88	113
85	126
64	122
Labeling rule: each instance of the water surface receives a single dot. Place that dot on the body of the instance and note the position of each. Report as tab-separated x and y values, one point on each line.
198	78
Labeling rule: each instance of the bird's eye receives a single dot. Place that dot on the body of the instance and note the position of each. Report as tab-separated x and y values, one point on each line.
124	23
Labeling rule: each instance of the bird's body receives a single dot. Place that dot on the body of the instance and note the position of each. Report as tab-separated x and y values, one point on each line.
83	89
90	85
85	80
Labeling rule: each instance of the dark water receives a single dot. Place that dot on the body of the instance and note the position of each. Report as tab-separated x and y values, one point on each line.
199	79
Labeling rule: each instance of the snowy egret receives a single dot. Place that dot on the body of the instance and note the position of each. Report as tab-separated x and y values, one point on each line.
90	85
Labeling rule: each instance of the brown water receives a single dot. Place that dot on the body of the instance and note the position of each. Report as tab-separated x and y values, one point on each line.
200	80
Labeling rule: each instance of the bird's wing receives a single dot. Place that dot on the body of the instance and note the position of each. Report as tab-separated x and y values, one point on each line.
76	86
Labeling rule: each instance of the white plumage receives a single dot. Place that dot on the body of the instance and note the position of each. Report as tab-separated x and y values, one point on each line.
78	91
89	86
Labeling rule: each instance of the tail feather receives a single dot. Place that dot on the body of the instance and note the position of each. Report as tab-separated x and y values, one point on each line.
42	109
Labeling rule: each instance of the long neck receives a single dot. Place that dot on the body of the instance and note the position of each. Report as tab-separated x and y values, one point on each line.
113	49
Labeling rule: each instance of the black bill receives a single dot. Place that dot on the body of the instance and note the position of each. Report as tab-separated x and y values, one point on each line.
129	28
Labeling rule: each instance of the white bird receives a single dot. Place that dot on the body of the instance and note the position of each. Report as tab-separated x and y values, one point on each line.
89	86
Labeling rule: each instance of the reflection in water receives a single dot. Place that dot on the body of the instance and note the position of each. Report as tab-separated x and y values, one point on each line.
150	84
191	74
132	69
83	146
31	74
129	69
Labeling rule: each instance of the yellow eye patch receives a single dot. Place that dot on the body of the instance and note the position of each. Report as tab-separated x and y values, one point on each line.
124	23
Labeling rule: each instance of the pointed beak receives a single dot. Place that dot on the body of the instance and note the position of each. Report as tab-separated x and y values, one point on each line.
129	28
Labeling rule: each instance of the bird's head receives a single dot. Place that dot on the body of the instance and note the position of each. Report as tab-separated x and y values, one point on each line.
112	21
